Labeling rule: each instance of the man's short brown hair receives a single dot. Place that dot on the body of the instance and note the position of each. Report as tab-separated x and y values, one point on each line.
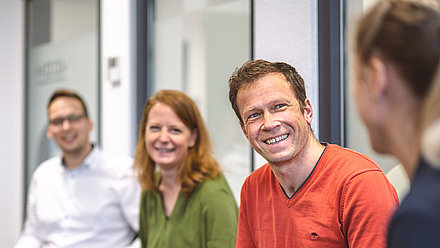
67	93
253	70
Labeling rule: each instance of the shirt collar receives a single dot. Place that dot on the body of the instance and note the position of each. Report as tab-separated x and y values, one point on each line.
89	161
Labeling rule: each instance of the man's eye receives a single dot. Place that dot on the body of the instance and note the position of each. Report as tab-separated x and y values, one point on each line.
57	122
74	117
253	115
278	106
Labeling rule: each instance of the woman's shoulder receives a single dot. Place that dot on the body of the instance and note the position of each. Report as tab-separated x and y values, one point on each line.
414	223
422	199
216	183
216	195
211	187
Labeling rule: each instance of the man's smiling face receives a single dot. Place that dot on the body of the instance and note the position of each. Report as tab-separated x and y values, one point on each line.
272	118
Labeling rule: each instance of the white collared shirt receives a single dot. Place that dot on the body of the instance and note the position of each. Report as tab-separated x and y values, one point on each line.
95	205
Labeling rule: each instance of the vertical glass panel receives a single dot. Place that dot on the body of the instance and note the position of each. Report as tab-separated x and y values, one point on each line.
62	52
198	44
356	133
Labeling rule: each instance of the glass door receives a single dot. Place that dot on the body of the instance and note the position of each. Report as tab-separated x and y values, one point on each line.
197	46
62	52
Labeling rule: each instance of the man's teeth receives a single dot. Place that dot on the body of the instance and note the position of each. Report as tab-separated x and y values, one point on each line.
277	139
69	137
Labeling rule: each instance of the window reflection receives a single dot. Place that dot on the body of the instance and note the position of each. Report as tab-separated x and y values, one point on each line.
356	133
62	52
198	44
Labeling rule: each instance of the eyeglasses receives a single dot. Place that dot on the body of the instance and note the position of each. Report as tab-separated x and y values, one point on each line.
71	119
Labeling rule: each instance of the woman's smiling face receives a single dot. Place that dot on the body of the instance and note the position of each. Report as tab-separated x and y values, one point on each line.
167	139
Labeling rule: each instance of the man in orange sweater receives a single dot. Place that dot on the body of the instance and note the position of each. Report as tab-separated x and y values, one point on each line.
310	194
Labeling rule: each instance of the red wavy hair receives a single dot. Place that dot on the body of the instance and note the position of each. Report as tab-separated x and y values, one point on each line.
199	165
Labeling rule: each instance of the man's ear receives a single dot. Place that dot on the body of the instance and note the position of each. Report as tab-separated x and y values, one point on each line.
89	123
379	77
49	133
308	112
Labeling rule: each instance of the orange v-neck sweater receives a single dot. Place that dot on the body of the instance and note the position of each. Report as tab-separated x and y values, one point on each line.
346	202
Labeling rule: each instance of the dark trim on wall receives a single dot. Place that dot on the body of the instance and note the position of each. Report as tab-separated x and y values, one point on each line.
26	172
32	22
252	27
330	64
99	77
252	33
144	46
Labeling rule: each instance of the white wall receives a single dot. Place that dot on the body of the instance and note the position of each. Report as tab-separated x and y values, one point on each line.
11	126
118	109
288	31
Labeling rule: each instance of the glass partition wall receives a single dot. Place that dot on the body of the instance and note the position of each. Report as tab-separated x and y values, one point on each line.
62	52
356	133
196	47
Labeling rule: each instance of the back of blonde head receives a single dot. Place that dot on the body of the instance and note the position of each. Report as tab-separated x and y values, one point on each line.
405	33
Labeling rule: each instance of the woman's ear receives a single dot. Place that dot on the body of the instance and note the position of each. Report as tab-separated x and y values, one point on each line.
379	77
193	137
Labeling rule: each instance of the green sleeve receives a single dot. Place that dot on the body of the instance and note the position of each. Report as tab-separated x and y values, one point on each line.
143	225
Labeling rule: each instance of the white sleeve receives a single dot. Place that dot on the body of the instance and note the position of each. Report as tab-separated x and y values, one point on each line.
129	194
135	244
29	237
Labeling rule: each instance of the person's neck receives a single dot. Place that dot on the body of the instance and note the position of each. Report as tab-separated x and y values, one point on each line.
404	128
406	145
293	173
169	180
73	159
169	187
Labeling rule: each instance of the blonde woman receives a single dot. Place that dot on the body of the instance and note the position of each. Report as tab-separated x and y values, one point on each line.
397	51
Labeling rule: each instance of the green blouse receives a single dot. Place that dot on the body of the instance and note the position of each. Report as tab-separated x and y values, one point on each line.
207	218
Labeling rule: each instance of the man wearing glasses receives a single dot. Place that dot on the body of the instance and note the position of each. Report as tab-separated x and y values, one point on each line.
82	198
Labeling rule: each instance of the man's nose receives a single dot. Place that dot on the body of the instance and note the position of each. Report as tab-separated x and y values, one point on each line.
269	121
66	124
